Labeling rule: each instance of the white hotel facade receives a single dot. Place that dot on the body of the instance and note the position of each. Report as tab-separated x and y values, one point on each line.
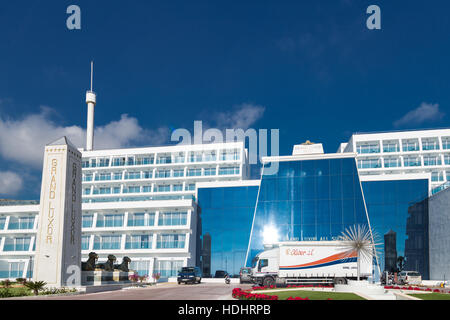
138	203
403	155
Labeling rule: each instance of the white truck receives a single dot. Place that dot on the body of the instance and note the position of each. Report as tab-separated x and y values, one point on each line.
307	262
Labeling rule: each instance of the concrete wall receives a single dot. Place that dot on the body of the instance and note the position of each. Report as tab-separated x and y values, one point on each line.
439	234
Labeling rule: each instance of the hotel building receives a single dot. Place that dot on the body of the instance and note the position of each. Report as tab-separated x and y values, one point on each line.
139	203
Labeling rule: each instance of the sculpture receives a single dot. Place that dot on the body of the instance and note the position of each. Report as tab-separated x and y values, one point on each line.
108	265
124	265
89	265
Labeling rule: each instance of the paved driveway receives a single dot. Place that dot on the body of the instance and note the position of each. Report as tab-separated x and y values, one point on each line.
163	291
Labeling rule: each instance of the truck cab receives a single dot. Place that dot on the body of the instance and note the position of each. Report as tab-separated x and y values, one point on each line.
265	267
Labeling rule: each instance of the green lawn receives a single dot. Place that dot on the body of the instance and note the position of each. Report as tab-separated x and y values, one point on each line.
316	295
432	296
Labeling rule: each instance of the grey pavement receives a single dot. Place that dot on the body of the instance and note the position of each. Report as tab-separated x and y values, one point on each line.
163	291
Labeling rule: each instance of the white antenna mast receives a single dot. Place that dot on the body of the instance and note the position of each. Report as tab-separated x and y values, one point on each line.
91	100
92	74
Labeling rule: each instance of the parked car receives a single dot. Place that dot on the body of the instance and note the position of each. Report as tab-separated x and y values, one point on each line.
220	274
409	277
244	275
189	275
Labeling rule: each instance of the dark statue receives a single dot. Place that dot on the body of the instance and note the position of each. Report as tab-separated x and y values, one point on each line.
90	264
124	265
108	265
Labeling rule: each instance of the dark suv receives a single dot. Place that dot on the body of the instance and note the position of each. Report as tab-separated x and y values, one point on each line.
189	274
220	274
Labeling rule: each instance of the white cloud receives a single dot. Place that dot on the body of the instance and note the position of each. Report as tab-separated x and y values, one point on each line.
10	183
23	140
426	112
240	117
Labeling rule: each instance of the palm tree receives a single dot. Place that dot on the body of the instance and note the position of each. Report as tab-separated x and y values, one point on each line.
35	286
358	238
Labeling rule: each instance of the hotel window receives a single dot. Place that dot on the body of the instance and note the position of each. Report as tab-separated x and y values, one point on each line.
147	175
170	241
107	242
368	148
87	220
87	191
410	145
210	171
103	162
138	241
15	270
172	219
369	163
117	175
412	162
162	174
447	158
228	170
430	144
109	220
446	143
93	163
168	268
227	155
116	190
85	242
177	187
17	244
141	267
179	158
432	160
437	176
85	164
447	173
164	159
147	189
136	220
195	156
102	190
2	222
178	173
140	220
389	146
132	175
132	189
210	156
103	177
163	188
20	223
130	161
87	177
144	160
118	161
194	172
190	187
392	162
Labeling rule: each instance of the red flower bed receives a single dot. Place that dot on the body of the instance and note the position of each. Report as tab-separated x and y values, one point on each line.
240	294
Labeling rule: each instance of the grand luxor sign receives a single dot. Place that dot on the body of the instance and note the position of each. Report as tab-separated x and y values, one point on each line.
58	244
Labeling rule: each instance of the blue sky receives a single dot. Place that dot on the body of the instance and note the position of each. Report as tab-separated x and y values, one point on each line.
309	68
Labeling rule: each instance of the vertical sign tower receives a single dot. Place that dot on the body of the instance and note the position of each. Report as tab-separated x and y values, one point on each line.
58	244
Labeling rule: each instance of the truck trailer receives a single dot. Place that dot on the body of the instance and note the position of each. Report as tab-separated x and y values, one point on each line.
308	262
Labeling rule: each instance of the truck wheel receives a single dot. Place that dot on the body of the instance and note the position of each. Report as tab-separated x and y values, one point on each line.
268	281
340	281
